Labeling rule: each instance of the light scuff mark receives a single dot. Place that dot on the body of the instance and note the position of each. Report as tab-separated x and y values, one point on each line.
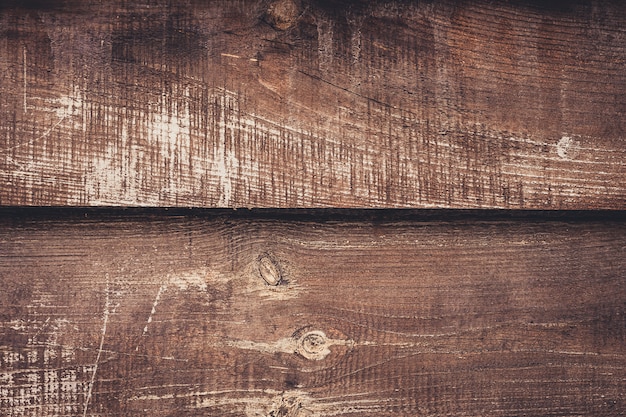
161	290
100	349
567	148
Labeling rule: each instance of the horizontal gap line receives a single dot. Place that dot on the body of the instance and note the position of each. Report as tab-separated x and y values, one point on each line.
15	214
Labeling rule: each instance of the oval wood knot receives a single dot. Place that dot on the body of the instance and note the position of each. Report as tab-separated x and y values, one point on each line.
269	270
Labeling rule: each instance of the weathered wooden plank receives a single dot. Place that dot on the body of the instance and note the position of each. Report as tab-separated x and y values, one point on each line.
302	103
170	316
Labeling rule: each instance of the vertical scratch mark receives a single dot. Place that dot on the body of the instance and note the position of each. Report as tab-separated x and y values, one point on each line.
162	289
24	65
225	178
324	43
95	366
221	157
356	42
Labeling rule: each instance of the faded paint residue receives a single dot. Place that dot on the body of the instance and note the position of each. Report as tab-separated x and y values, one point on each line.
222	155
41	378
566	147
325	43
168	136
189	280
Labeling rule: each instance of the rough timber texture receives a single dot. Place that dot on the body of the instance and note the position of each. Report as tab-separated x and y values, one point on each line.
303	103
175	316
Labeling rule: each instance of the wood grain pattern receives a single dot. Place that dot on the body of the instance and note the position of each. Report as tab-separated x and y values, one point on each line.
304	103
170	316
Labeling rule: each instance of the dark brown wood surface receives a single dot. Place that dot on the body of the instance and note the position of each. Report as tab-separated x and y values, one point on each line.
107	315
304	103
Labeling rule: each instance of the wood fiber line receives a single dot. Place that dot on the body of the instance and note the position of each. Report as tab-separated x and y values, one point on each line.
303	103
172	316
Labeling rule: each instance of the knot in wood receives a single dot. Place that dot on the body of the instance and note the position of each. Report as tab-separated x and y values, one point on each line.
282	14
269	270
313	345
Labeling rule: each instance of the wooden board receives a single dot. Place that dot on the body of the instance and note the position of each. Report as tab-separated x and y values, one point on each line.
304	103
149	314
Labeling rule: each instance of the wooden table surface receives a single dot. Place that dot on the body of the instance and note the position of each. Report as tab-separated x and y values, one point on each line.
297	106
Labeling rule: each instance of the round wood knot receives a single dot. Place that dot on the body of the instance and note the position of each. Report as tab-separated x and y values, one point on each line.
317	349
314	345
269	269
314	342
283	14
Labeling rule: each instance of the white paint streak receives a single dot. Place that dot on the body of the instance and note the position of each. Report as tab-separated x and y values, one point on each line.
95	366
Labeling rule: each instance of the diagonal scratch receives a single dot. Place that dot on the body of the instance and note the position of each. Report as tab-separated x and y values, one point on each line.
162	289
43	326
30	142
95	366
